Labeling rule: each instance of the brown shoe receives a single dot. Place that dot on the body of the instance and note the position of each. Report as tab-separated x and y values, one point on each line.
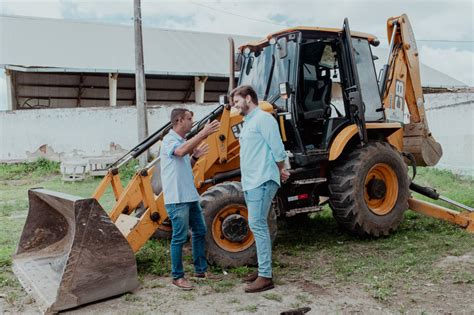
183	284
251	277
206	276
260	284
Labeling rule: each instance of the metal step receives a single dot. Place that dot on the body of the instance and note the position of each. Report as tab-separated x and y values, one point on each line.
296	211
307	181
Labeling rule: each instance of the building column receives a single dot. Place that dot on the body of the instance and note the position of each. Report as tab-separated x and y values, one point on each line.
113	78
11	98
199	89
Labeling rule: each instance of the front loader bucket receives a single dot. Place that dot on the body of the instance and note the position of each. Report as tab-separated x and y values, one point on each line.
71	253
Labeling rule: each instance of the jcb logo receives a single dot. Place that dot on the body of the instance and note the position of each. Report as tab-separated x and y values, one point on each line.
397	104
236	129
399	95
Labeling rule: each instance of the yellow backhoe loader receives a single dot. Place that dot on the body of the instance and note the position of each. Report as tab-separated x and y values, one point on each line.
349	138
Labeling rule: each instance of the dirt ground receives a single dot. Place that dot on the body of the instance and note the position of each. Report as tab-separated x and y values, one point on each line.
158	295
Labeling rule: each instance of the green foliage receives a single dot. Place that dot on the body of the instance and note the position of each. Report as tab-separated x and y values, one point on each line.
127	171
241	271
154	258
38	168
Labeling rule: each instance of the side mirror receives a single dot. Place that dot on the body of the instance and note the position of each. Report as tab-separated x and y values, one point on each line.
281	45
375	42
285	90
238	60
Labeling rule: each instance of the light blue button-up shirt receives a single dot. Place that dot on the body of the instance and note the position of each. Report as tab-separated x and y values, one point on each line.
176	172
260	148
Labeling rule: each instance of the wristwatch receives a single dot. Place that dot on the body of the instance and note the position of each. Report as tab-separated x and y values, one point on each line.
194	158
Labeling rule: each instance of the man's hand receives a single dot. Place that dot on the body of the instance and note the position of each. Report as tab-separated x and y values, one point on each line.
284	175
201	150
210	128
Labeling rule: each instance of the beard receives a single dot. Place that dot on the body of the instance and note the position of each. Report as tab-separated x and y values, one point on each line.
244	110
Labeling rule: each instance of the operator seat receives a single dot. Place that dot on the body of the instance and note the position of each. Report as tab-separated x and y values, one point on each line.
317	100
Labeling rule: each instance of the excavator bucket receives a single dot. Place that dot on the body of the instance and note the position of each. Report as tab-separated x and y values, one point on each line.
71	253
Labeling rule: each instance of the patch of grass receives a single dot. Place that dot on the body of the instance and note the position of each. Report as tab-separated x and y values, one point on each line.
188	296
273	297
381	290
154	258
233	301
463	277
241	271
248	308
456	187
9	207
40	167
7	279
222	286
151	284
12	297
303	298
129	297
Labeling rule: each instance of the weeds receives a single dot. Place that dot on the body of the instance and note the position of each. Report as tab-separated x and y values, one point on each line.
273	297
154	258
248	308
129	297
38	168
222	286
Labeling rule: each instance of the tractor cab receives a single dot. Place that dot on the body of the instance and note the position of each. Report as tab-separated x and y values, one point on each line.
317	79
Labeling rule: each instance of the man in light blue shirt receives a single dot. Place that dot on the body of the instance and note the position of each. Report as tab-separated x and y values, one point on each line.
262	159
180	194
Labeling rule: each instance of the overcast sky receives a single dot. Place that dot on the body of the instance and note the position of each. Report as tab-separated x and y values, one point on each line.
443	29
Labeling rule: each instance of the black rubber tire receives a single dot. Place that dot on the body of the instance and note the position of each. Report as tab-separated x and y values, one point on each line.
346	186
212	201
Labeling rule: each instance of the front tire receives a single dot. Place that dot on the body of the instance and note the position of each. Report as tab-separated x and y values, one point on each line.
229	241
369	189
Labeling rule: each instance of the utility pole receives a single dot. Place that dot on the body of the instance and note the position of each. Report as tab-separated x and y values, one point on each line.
140	87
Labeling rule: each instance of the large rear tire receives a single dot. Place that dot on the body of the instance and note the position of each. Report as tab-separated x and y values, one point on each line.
369	189
229	241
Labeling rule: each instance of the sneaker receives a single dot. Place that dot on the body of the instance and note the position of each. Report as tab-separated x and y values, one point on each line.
183	284
251	277
207	276
260	284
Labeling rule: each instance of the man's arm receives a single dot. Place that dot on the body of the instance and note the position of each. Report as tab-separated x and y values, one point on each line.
191	144
271	135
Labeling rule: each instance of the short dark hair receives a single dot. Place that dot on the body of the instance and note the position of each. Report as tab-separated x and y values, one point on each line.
245	90
178	113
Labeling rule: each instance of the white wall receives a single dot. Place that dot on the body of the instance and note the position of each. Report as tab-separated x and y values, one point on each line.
91	131
451	120
74	132
3	90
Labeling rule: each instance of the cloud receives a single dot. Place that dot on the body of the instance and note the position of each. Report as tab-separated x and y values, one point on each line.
459	64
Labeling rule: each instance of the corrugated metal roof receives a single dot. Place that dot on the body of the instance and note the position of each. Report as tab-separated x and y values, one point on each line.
92	47
39	42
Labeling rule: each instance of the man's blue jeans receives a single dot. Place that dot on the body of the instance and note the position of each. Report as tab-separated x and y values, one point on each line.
259	201
184	216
